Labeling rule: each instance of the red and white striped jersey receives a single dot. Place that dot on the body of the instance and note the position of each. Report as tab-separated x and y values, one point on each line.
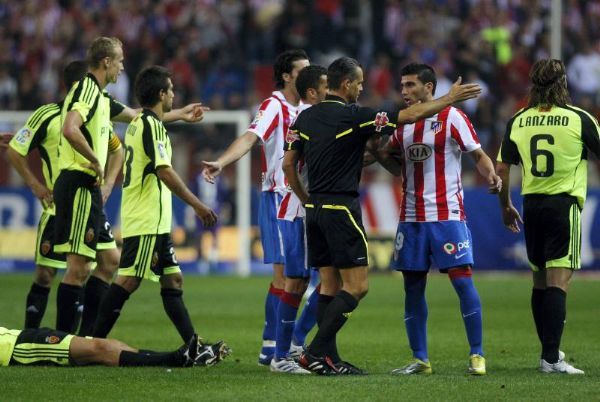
271	124
291	206
431	170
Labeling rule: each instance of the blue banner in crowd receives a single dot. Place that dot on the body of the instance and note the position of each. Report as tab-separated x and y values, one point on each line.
495	248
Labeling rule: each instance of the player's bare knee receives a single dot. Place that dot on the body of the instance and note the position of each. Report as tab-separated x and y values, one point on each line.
77	275
296	285
44	276
173	281
106	349
108	260
129	283
362	290
278	276
359	289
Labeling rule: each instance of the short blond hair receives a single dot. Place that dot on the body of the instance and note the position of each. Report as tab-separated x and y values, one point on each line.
100	48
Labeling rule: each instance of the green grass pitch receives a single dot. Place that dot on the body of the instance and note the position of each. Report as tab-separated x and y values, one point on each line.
374	338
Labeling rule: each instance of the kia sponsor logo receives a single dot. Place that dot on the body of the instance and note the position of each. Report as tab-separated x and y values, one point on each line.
418	152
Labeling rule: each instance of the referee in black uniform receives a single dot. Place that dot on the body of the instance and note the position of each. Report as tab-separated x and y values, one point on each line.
332	137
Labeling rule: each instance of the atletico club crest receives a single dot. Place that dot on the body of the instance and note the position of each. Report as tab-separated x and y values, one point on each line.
436	126
381	120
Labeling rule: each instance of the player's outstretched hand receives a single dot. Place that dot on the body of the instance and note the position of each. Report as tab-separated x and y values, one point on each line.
194	112
206	215
460	92
495	184
511	218
210	170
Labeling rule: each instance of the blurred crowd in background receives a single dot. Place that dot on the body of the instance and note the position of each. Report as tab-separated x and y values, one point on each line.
221	51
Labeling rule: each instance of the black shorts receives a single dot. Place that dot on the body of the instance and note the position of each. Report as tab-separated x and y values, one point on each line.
552	231
78	213
106	240
148	256
44	249
42	346
334	231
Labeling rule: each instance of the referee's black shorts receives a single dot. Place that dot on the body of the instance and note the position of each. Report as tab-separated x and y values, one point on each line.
334	231
552	231
78	214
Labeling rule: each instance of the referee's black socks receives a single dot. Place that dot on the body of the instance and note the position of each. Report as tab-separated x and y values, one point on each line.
110	310
175	309
336	315
68	307
555	307
324	301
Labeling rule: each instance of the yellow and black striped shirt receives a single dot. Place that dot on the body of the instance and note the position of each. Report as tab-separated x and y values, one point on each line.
42	132
88	99
551	146
146	201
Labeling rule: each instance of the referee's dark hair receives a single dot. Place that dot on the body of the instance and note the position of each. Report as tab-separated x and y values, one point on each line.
341	69
424	72
148	84
284	64
73	72
309	77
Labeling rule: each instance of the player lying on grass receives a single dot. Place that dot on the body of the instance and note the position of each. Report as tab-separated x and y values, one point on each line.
45	346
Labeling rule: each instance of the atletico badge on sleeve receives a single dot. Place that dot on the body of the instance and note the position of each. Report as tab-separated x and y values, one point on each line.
381	120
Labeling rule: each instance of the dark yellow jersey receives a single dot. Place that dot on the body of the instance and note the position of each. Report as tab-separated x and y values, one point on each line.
89	100
552	146
42	132
146	201
8	339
